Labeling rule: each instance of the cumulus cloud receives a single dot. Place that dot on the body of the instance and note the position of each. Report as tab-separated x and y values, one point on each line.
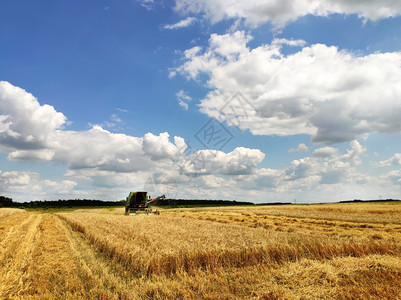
268	178
99	158
325	152
24	123
328	174
395	160
32	155
279	13
98	148
326	165
29	183
158	147
240	161
301	148
354	153
395	176
211	181
104	165
212	174
181	24
14	178
298	93
33	132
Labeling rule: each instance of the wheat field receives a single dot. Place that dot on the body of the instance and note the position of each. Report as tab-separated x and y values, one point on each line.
330	251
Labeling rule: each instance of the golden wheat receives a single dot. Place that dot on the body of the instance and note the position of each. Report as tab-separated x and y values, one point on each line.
169	244
226	253
383	213
6	212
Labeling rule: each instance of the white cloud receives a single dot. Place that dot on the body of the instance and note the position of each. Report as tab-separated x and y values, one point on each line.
395	160
221	48
395	176
105	165
115	118
279	13
183	95
240	161
148	4
327	175
354	153
268	178
189	175
181	24
301	148
33	132
15	178
183	99
24	123
32	155
108	179
326	165
183	104
159	147
24	183
298	93
99	158
229	46
122	110
211	181
325	152
293	43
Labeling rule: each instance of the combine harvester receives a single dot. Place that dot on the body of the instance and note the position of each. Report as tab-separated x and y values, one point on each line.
138	202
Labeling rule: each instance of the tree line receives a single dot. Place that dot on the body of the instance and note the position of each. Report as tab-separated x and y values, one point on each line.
8	202
5	202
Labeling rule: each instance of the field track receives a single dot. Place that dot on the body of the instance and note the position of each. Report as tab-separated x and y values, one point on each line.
42	258
198	254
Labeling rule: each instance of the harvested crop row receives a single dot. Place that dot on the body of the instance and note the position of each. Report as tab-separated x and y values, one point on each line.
165	244
42	258
368	277
387	213
299	225
16	255
6	212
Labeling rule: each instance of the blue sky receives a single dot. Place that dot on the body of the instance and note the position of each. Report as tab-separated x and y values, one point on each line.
260	101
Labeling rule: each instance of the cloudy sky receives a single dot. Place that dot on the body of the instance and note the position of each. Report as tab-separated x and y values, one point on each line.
257	100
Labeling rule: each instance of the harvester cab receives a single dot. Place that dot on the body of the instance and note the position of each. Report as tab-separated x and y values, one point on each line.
138	202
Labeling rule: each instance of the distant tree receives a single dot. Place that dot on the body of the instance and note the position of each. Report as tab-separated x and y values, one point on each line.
6	202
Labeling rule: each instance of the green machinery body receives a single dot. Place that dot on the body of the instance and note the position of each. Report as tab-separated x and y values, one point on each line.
138	202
